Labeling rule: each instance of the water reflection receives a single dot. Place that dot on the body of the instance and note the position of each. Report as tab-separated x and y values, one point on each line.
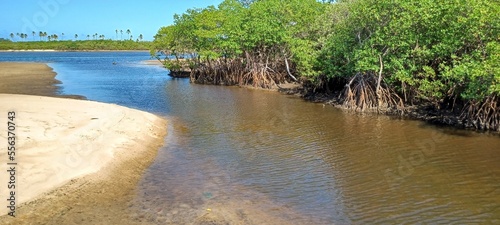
256	157
321	165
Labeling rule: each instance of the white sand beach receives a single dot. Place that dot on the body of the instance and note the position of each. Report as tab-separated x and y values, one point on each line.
59	140
77	161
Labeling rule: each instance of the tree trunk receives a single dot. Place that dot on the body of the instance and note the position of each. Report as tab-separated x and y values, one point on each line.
379	96
288	70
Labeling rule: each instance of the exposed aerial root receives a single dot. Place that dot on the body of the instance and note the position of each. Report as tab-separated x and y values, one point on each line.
360	94
241	71
482	115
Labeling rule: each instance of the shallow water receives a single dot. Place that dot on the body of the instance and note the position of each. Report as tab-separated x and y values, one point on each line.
248	156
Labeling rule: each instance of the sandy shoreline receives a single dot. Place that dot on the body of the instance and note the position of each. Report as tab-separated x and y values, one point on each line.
78	161
29	50
27	78
153	62
30	79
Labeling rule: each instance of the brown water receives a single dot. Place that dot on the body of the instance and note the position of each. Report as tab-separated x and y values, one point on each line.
237	156
241	156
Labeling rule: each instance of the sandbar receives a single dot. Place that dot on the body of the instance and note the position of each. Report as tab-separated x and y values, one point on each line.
30	79
78	161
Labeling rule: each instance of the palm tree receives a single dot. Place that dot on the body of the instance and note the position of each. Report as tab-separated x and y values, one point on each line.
88	36
45	34
129	32
62	36
116	31
96	35
40	34
76	36
121	32
12	36
140	37
33	33
131	37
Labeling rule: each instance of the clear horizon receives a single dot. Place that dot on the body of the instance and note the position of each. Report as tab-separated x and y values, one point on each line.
90	17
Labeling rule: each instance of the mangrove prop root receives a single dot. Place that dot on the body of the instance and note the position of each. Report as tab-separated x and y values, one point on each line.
482	115
252	70
360	94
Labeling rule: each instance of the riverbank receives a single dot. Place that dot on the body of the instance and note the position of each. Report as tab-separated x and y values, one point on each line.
30	79
76	45
152	62
78	161
440	115
55	50
29	50
443	114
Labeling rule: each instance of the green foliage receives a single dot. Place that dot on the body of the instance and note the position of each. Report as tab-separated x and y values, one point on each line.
430	50
232	14
76	45
436	49
267	29
478	73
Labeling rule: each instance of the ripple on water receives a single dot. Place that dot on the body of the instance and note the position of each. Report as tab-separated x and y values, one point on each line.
252	155
298	160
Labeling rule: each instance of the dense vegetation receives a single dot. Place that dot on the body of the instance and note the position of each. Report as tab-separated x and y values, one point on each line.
90	45
43	41
376	54
42	35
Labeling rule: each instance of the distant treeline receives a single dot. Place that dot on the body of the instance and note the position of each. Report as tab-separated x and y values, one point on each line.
369	54
87	45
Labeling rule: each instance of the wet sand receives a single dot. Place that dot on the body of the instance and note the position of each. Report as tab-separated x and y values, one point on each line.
79	161
61	194
27	78
30	79
152	62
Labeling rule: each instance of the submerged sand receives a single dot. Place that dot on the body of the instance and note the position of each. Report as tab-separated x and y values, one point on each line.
152	62
78	161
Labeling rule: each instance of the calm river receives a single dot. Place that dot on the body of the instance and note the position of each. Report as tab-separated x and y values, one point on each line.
249	154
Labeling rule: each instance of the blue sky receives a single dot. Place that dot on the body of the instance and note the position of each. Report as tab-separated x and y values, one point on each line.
85	17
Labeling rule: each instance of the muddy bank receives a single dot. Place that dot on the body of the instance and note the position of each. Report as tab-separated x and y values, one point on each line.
437	114
444	114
